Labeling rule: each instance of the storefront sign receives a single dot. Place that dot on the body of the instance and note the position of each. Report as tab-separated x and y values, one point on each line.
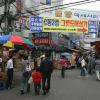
41	38
40	41
65	25
35	24
73	13
93	27
41	35
22	23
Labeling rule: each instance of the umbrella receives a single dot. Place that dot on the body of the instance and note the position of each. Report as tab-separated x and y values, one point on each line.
4	39
8	44
28	42
17	40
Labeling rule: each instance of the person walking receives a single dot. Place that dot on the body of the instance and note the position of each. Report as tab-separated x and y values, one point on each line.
9	69
37	77
63	63
46	68
83	66
97	67
26	73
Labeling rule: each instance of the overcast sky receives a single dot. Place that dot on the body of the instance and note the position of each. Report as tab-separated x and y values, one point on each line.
89	6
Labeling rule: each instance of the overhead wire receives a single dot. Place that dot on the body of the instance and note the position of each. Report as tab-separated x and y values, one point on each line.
68	6
43	4
63	6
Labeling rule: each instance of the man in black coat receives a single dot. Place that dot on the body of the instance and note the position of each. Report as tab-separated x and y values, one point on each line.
46	68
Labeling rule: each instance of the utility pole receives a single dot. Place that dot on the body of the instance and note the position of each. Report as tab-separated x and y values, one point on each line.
6	13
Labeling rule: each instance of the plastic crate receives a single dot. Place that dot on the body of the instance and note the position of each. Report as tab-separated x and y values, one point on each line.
2	85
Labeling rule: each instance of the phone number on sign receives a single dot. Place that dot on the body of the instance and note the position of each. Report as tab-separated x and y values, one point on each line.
51	22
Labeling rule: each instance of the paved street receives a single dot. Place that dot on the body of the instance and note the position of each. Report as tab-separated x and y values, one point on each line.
73	87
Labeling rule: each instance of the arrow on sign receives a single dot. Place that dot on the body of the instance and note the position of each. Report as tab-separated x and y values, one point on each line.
82	30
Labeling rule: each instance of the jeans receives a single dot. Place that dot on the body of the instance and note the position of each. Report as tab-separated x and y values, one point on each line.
83	71
25	81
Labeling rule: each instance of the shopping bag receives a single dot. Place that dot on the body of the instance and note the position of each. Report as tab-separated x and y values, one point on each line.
30	80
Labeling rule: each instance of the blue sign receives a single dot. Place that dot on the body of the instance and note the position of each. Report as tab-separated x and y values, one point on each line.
48	2
36	24
93	27
85	15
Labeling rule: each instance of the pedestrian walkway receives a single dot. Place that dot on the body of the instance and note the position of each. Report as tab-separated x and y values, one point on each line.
72	87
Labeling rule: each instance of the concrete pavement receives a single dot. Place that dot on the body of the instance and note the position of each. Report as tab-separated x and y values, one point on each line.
72	87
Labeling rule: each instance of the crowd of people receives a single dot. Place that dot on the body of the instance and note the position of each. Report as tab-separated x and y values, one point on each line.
40	75
87	63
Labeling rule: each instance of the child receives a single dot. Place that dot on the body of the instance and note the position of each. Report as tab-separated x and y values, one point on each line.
36	76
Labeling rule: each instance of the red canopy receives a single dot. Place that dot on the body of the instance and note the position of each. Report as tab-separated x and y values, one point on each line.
16	39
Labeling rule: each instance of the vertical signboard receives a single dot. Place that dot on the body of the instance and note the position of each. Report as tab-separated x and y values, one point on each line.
35	24
93	27
48	2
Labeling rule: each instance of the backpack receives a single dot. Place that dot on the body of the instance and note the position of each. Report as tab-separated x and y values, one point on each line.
28	68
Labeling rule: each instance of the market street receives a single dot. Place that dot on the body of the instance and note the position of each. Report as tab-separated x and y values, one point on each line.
73	87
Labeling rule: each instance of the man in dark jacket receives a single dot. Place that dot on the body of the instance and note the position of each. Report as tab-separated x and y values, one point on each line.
46	68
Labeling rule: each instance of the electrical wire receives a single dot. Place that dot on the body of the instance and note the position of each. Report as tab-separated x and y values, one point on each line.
68	6
63	6
42	4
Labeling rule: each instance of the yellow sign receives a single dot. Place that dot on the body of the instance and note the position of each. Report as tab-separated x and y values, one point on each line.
65	25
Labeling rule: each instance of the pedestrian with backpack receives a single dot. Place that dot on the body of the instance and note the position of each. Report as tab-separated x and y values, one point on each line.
26	73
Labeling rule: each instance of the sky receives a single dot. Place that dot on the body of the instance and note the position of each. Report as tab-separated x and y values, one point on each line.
89	6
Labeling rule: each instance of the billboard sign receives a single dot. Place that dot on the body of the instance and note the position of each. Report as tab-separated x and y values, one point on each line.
65	25
42	24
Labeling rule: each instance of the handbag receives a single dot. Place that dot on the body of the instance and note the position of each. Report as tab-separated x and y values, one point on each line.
30	80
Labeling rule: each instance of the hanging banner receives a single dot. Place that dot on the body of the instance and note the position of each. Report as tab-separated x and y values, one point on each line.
65	25
42	24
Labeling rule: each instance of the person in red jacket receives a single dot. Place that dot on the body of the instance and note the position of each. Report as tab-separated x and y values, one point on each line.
36	76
